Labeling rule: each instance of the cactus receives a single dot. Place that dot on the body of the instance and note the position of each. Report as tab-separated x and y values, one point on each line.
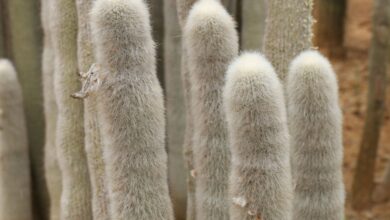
23	43
15	184
211	42
52	169
260	181
288	32
175	108
76	190
183	8
93	145
315	127
130	111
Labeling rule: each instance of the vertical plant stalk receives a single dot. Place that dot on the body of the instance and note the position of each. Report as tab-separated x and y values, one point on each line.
23	47
175	105
183	8
288	32
15	184
260	181
76	190
315	125
52	169
93	145
363	183
211	42
130	111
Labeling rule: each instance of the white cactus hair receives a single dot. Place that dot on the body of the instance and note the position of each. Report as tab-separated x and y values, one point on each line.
260	181
315	123
130	111
211	42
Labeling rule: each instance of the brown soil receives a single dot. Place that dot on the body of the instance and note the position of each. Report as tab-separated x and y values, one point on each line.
352	72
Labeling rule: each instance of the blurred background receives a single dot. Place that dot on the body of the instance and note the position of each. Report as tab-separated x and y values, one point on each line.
343	32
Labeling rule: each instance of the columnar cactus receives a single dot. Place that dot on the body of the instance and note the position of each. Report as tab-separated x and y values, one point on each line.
175	108
52	169
211	42
315	127
130	111
183	8
15	184
76	191
93	144
23	45
288	32
260	181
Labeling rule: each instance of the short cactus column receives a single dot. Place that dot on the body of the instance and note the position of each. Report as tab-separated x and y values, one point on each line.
130	111
260	181
316	138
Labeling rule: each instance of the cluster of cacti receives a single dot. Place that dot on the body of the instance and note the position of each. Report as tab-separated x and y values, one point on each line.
105	136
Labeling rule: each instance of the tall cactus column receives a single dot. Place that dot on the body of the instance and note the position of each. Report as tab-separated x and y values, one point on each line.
175	106
130	111
288	32
15	183
52	169
211	42
93	144
183	8
76	192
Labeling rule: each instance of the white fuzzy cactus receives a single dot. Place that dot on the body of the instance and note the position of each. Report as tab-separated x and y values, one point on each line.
15	184
260	181
211	42
130	111
316	137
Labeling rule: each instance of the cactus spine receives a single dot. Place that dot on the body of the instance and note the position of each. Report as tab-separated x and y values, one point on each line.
260	181
93	146
288	32
183	8
76	192
15	194
315	127
211	42
130	111
52	169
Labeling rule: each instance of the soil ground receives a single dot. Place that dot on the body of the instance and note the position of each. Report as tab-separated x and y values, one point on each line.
352	72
